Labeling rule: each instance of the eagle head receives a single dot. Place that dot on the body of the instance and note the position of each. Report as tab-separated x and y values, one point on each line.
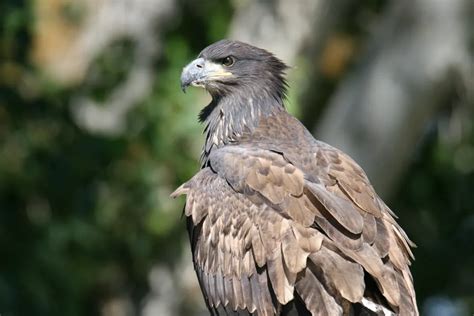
228	67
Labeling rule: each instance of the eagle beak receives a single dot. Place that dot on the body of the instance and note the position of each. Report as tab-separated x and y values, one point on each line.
200	71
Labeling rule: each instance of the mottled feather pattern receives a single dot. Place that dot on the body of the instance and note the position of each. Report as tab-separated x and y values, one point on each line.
280	223
260	212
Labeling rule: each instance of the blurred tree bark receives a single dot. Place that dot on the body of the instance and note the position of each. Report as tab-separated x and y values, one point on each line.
285	27
416	58
71	35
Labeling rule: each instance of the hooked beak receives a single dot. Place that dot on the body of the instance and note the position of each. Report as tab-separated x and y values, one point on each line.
199	72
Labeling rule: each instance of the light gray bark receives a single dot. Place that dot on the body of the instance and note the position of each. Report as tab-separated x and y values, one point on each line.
285	27
414	60
106	22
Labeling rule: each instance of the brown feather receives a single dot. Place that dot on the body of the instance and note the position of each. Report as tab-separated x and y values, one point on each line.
340	209
382	242
370	229
247	294
282	288
309	240
317	300
273	216
238	301
294	256
344	276
383	274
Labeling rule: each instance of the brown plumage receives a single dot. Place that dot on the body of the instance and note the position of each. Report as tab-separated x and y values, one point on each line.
280	223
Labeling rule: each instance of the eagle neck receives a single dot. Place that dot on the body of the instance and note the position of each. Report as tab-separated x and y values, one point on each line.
227	118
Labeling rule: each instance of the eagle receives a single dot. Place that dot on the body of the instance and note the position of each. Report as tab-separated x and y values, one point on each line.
279	222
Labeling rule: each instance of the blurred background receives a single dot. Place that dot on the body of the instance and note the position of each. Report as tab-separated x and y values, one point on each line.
95	134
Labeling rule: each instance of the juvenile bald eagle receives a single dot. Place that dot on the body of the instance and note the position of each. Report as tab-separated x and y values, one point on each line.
280	223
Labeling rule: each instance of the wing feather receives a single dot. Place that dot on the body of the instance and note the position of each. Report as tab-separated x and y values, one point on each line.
317	300
280	284
295	257
272	226
338	208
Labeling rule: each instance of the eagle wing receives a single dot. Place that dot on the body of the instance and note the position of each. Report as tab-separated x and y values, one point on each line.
265	232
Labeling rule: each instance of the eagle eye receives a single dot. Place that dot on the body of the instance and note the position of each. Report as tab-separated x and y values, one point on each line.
227	61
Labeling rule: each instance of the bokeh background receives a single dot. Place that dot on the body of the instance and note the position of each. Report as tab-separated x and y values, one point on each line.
95	134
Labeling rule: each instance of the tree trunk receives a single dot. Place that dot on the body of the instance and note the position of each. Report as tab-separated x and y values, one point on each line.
380	112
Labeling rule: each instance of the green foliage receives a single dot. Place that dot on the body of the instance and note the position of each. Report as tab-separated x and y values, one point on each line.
84	217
